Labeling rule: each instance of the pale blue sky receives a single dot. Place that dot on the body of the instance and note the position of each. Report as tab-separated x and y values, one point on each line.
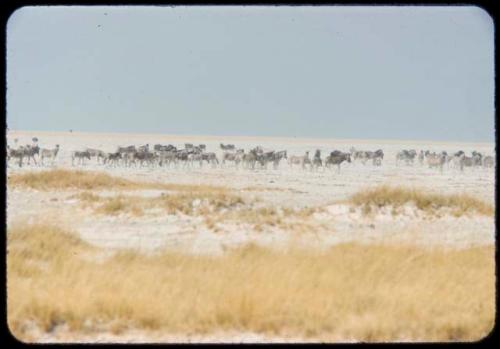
329	72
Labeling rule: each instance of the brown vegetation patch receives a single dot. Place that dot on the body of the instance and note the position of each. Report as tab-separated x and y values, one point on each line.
89	180
381	196
189	202
217	207
351	291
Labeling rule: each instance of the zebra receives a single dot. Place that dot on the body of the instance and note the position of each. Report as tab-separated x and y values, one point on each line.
15	153
264	158
227	146
302	160
455	159
337	157
192	157
277	158
182	155
252	157
488	161
376	156
49	153
98	154
317	162
408	156
210	158
195	150
129	149
167	157
30	151
144	156
81	156
159	147
127	154
477	158
358	154
470	161
235	157
421	157
143	148
112	158
436	160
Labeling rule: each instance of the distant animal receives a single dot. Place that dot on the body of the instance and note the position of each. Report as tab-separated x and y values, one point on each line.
436	160
210	158
337	157
80	156
129	149
364	156
488	161
421	157
112	158
317	162
277	157
98	154
192	157
236	157
143	148
49	154
252	157
30	151
159	147
16	154
408	156
300	160
167	157
470	161
227	146
144	157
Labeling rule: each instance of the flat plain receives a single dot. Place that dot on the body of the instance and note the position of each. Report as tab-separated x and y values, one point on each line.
368	219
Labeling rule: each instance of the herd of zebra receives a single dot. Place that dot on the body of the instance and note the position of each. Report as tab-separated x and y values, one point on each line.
169	155
438	160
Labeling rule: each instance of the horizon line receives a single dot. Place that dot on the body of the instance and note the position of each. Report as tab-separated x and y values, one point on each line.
395	140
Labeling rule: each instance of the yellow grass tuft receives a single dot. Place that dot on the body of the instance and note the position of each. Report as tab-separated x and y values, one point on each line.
397	196
189	202
351	291
88	180
215	206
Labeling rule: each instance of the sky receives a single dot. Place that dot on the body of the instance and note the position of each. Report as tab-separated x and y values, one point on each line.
416	73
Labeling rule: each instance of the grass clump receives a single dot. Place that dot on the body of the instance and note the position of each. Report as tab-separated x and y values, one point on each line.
189	203
262	217
351	291
69	179
88	180
381	196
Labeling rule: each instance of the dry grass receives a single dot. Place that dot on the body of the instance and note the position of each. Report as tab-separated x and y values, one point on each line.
88	180
190	202
260	217
216	207
351	291
458	204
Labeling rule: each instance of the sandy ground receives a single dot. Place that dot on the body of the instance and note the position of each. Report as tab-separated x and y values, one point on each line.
283	187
